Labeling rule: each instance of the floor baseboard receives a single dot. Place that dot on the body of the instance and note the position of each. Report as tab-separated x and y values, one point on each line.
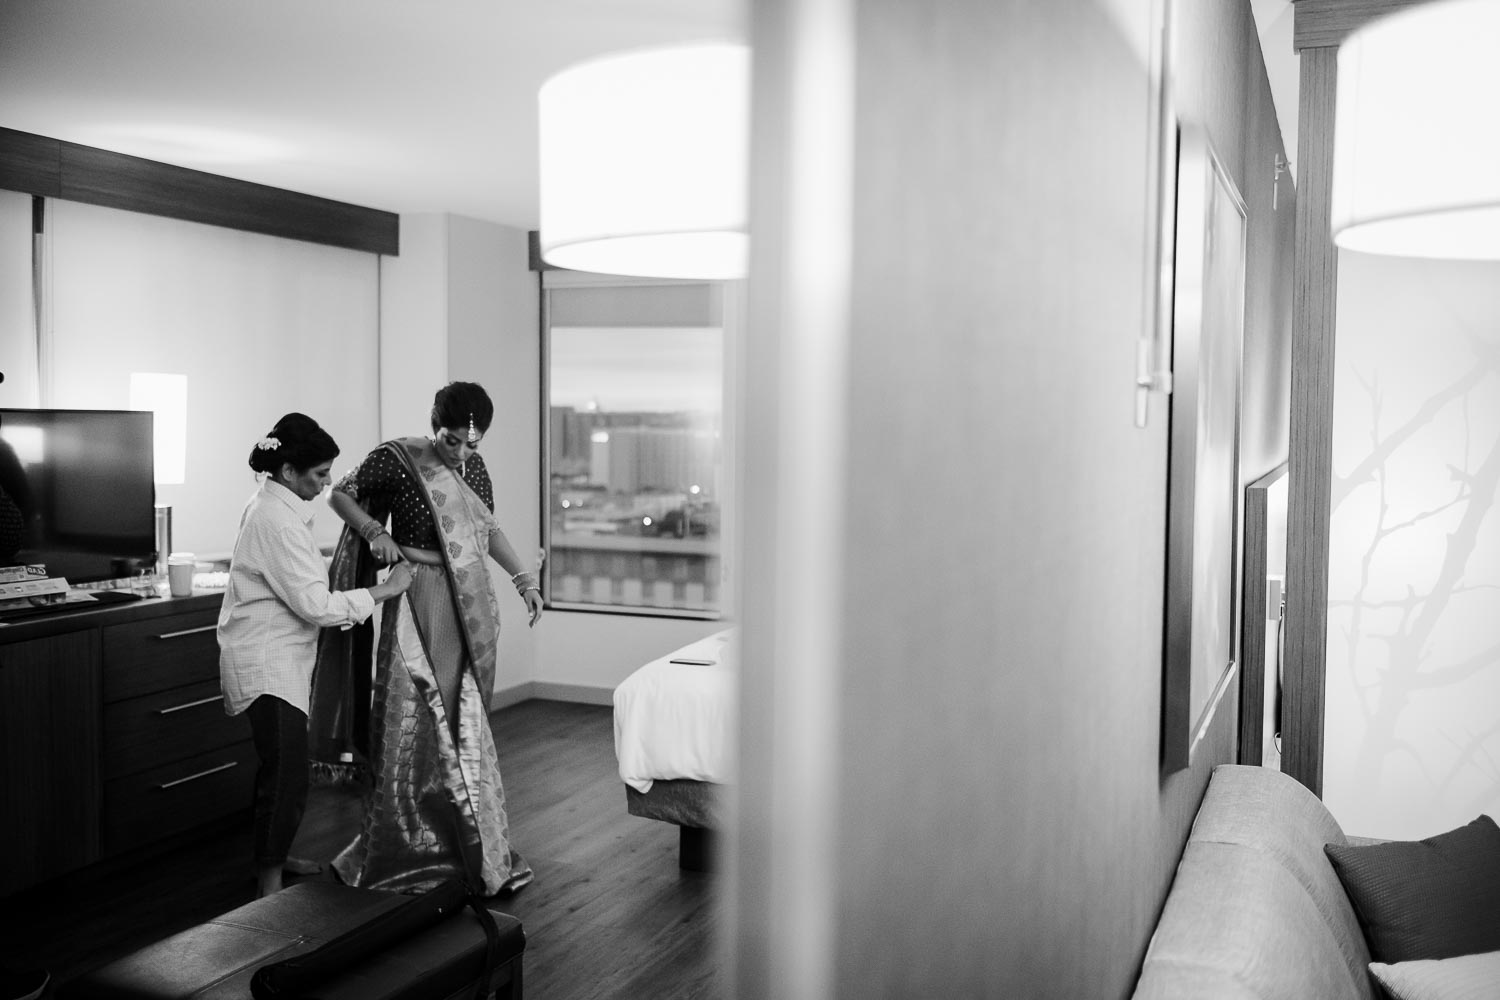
578	694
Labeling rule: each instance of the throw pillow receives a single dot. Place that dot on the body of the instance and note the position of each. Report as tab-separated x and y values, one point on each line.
1468	977
1419	899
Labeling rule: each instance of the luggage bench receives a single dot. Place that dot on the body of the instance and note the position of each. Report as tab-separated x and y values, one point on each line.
215	960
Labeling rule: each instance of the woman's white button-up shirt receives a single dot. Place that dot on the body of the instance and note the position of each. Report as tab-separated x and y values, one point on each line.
276	600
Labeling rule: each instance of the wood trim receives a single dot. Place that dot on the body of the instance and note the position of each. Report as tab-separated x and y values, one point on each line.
55	169
1314	295
30	163
1326	23
1253	617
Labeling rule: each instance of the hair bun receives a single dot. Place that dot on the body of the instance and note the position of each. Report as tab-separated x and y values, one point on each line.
296	439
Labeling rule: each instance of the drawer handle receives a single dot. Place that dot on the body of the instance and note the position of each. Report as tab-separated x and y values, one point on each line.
200	774
187	631
189	704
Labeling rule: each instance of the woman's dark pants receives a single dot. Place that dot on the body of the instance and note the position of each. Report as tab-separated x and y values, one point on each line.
280	733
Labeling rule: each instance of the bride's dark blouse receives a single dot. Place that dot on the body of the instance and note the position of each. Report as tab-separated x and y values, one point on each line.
383	474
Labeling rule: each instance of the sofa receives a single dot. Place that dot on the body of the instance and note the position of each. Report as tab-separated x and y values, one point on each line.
1271	899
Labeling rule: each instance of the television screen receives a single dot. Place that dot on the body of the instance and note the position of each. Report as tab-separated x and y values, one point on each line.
78	492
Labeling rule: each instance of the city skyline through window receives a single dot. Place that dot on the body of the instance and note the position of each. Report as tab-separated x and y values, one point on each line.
636	451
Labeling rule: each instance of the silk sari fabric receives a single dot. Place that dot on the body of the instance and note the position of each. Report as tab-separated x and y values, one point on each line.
435	807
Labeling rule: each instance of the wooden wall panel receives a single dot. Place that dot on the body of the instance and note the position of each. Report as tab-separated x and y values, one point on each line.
30	163
1327	22
48	167
1314	294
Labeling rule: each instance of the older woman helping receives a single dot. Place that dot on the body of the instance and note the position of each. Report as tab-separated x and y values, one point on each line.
276	599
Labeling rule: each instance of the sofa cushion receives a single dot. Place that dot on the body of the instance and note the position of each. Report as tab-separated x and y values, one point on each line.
1270	812
1238	923
1467	977
1424	899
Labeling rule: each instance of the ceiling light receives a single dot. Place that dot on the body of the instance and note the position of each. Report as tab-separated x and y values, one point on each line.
643	161
1416	161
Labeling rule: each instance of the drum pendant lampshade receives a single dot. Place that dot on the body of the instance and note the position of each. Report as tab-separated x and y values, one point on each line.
643	163
1416	160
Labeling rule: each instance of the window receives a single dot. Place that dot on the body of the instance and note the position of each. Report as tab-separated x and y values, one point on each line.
635	443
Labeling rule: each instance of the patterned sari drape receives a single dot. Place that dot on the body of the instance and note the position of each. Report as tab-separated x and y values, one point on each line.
435	805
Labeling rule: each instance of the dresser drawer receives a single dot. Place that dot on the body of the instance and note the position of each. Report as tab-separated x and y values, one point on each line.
159	653
158	728
149	805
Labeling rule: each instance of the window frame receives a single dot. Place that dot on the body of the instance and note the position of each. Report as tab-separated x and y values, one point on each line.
550	279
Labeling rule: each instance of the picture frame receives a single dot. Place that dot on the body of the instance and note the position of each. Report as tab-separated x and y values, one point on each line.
1263	552
1201	644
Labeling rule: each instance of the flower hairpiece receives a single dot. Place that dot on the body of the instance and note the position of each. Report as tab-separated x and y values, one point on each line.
268	443
473	434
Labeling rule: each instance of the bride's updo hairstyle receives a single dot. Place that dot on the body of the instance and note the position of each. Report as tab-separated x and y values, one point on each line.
458	403
296	439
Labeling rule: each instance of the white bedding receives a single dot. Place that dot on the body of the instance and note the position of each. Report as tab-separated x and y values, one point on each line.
676	720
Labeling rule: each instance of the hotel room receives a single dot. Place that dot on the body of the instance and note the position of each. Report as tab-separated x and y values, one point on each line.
974	721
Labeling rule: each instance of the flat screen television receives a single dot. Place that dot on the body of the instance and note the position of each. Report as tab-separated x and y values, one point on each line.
79	492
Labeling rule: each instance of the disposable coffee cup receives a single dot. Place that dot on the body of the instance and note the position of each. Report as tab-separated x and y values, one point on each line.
180	567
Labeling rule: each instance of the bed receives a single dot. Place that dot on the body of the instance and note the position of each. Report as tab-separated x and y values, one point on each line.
675	721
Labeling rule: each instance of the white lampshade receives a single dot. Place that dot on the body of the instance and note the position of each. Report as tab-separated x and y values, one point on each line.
643	160
1416	159
165	396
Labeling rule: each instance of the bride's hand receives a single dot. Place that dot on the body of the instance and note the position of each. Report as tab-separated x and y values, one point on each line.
385	550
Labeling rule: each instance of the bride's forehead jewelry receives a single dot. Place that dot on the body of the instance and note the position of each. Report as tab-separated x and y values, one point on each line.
473	434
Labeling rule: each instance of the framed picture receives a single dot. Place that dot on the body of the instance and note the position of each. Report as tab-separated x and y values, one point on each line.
1263	556
1208	315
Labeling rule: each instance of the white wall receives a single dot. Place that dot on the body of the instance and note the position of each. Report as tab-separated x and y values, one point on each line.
260	325
583	656
492	340
413	327
1413	662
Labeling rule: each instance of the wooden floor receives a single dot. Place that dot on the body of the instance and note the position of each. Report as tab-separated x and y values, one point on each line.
610	914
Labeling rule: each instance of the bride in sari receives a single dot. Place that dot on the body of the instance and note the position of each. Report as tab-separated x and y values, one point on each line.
435	805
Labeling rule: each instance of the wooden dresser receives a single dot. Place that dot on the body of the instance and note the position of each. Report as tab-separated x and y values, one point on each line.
113	734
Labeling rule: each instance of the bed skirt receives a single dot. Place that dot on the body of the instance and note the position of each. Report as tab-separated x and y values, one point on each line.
678	800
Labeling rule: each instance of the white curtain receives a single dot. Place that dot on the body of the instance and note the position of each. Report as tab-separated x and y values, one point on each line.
17	312
260	326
